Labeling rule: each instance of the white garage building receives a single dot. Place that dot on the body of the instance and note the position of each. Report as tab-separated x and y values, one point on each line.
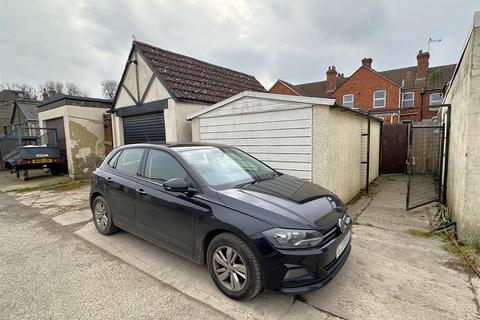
311	138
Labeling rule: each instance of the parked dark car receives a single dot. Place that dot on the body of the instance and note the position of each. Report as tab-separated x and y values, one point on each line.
253	226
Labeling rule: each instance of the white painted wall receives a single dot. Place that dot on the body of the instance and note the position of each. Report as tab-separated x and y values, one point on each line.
275	132
463	181
340	148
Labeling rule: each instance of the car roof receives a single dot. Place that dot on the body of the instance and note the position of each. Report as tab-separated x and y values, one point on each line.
175	145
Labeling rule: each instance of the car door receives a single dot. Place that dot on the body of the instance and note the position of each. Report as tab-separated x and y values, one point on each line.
163	216
121	181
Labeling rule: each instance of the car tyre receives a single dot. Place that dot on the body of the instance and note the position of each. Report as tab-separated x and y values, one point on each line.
102	216
234	267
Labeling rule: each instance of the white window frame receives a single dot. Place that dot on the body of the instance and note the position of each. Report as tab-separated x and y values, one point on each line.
384	99
430	99
403	99
352	102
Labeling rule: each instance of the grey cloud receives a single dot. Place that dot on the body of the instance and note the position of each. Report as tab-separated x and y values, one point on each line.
86	41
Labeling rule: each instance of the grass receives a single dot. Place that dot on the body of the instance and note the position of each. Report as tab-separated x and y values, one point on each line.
419	233
469	251
61	187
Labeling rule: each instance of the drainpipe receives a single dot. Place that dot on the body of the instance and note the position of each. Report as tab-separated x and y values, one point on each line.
400	100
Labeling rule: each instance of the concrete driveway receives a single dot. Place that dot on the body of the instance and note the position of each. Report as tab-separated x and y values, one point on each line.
389	275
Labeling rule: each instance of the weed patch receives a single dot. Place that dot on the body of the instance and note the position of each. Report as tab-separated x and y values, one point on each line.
61	187
419	233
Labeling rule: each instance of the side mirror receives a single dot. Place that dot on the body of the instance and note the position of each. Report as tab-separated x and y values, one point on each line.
177	185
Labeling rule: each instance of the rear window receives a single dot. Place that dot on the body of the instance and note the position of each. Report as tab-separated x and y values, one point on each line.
113	160
129	160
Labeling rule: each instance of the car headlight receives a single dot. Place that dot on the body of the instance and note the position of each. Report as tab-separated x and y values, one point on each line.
293	239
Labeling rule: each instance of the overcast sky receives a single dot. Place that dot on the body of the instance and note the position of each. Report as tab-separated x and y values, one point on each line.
86	41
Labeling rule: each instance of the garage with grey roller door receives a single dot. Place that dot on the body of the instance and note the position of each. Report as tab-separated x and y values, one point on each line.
144	128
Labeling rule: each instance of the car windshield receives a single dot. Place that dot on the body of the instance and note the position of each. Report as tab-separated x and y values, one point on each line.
225	167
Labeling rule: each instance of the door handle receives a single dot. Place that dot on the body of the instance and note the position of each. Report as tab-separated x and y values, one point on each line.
109	179
141	192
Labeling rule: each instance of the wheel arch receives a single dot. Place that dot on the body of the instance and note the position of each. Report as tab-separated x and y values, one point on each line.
93	196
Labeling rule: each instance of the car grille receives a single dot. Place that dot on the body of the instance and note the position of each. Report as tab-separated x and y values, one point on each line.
329	236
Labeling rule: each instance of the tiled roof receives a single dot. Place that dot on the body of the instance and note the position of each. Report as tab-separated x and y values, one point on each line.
29	109
317	89
437	78
190	79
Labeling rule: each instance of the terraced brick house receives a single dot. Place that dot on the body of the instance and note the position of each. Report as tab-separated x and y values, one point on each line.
382	92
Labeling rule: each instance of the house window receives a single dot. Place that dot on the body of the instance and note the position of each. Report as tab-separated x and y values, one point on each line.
436	98
407	99
379	99
348	100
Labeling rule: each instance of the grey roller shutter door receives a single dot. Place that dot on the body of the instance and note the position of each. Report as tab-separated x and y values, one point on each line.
148	128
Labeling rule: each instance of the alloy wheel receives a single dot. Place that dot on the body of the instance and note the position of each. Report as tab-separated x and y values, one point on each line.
101	215
229	268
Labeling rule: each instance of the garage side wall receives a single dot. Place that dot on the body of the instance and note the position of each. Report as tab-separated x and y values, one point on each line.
463	181
182	126
84	137
87	136
339	149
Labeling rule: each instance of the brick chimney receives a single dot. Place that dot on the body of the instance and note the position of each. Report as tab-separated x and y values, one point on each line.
331	78
422	64
367	62
45	95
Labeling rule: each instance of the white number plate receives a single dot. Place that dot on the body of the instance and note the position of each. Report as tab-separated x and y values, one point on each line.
341	247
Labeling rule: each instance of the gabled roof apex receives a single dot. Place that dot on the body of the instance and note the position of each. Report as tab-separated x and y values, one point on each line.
190	79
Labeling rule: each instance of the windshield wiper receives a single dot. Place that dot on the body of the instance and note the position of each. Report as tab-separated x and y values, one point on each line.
253	181
237	186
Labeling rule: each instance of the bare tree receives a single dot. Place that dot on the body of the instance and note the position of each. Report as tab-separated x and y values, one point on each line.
109	88
52	87
73	89
27	90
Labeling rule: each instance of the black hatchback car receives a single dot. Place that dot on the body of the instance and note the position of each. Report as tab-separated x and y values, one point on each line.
253	226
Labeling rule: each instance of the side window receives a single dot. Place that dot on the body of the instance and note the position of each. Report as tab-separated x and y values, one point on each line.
129	160
113	160
162	166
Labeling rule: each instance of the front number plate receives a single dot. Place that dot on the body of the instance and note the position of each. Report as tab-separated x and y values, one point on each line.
341	247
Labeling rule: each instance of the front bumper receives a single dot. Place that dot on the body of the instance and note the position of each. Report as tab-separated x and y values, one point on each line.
300	271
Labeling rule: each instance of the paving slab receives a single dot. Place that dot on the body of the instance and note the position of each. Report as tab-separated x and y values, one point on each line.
73	217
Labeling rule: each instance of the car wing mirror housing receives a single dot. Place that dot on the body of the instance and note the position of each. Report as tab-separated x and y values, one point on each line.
178	185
